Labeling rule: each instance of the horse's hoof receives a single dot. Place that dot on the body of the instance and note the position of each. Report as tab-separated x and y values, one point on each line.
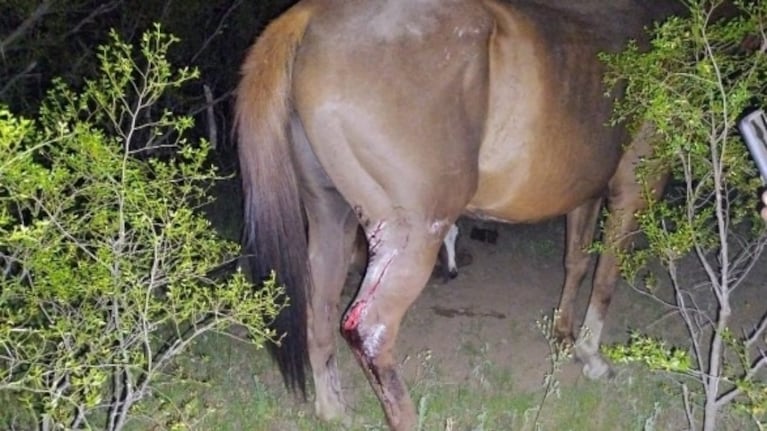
449	274
597	368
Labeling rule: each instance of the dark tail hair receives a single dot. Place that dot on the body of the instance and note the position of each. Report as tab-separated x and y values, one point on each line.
274	236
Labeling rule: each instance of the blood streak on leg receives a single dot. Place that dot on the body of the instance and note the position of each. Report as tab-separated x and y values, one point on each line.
354	315
374	240
350	326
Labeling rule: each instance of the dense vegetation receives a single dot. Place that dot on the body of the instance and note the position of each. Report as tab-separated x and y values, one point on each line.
699	77
108	270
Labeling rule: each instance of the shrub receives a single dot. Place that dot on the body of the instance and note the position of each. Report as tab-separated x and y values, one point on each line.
698	77
108	269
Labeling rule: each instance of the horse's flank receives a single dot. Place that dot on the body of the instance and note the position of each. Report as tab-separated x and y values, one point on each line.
538	57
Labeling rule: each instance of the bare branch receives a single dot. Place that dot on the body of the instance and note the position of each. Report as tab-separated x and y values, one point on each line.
38	14
91	17
730	395
688	406
215	101
754	336
211	116
12	81
217	31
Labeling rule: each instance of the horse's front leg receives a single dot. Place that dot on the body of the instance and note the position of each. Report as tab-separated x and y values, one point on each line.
624	200
581	224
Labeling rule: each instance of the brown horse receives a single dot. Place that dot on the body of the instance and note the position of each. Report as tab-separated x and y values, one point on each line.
398	116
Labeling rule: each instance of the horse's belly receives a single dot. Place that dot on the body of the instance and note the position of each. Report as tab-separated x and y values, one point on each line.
534	186
546	148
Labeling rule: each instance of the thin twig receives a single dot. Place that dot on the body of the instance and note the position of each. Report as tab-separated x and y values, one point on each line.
688	406
91	17
12	81
36	15
211	116
217	31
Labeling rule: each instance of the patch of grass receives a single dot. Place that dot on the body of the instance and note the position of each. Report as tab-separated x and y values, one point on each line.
13	414
231	386
545	248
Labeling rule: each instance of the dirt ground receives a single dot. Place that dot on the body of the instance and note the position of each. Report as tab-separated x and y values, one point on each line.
497	302
491	311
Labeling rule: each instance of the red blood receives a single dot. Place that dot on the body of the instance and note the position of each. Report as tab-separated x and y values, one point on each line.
353	316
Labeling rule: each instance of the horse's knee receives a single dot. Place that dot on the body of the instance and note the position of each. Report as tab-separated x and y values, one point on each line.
365	338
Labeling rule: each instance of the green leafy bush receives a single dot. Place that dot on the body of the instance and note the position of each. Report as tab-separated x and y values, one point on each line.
107	267
694	82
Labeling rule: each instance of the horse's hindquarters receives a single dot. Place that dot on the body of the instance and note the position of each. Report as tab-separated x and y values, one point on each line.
395	113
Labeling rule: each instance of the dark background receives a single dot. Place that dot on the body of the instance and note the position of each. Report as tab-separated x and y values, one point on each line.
43	39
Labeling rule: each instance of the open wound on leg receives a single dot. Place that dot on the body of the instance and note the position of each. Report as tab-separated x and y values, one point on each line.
356	313
371	340
391	387
365	340
353	318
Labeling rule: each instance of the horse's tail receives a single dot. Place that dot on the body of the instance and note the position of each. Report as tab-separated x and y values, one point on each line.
274	234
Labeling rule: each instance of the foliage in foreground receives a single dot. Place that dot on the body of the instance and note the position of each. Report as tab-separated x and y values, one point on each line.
107	269
693	84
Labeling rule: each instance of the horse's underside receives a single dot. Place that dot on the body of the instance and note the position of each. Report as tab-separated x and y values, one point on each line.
400	116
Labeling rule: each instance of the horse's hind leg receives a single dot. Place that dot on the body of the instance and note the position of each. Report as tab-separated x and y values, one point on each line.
623	201
332	230
450	239
581	223
403	250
